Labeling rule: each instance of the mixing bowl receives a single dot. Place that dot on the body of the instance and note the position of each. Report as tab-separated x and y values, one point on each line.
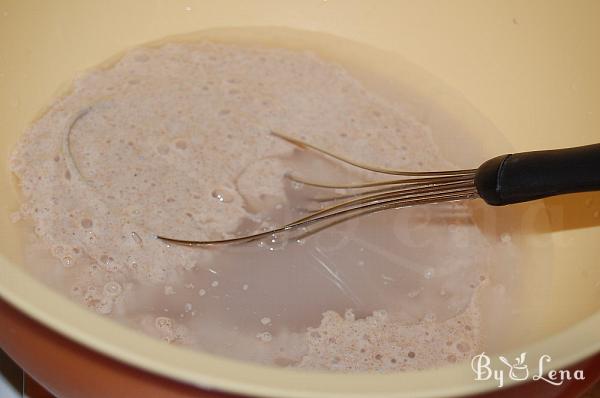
529	67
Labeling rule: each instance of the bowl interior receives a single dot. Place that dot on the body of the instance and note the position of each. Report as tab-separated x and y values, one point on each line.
533	77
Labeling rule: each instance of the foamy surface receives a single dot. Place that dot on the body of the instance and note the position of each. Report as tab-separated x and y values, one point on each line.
175	141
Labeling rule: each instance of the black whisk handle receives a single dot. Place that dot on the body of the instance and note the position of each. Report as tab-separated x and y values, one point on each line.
521	177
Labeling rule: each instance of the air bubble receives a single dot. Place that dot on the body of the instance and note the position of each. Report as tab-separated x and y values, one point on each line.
67	261
133	210
169	290
429	273
505	237
215	283
163	323
297	185
57	250
273	243
131	262
201	292
429	317
187	307
264	336
104	306
265	320
112	288
136	238
223	195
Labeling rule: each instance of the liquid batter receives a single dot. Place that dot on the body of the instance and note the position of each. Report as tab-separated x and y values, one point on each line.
175	141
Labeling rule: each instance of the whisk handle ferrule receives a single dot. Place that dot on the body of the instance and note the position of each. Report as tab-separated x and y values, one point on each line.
521	177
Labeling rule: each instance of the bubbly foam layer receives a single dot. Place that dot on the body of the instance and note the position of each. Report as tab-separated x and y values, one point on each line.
175	141
377	342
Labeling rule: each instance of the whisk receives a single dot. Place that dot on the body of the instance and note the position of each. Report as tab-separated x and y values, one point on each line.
503	180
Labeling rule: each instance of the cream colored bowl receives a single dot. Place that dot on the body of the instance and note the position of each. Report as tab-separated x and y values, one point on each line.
530	67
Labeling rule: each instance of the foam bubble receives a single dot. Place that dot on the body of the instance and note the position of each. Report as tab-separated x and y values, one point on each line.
113	288
163	323
67	261
264	336
273	242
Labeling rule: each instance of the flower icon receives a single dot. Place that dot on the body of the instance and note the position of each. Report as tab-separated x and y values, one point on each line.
518	370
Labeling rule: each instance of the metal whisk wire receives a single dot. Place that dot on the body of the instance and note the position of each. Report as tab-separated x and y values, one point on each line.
306	145
427	188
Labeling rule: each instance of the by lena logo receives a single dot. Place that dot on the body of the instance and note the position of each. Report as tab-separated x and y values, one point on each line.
518	370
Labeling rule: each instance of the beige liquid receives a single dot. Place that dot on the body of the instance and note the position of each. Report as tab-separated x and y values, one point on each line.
175	141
